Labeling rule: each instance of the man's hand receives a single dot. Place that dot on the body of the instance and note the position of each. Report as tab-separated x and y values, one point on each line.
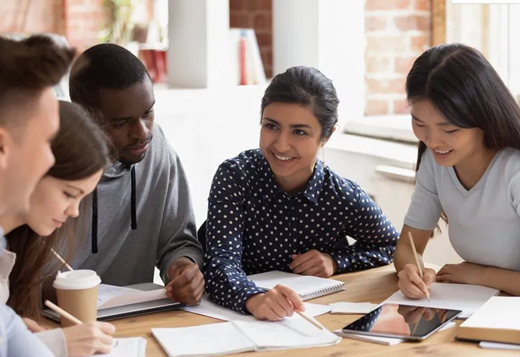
313	263
186	282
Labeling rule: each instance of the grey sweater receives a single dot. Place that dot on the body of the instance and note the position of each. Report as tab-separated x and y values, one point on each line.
133	239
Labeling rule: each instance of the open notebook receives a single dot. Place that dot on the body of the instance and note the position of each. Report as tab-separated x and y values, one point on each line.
498	320
308	287
242	336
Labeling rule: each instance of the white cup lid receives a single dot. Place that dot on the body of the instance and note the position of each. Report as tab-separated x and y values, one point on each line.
76	280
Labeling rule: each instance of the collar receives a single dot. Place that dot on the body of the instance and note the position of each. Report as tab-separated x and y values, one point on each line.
272	188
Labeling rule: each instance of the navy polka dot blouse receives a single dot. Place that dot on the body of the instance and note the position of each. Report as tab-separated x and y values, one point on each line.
254	226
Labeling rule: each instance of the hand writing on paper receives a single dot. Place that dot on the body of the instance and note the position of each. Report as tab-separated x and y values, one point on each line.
463	273
411	284
90	338
186	282
33	325
313	263
275	304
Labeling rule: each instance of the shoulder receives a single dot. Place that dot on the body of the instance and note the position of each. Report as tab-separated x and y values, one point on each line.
342	188
246	164
508	168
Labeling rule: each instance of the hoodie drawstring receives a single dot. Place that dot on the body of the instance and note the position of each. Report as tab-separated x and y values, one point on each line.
133	199
94	222
133	212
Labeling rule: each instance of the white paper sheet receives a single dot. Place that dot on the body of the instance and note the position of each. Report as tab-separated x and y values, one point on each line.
127	347
499	346
352	307
211	309
468	298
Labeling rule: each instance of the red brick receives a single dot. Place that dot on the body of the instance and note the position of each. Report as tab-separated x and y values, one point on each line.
374	23
401	106
422	5
236	4
413	22
265	4
403	64
240	21
376	107
380	44
385	86
377	64
419	44
260	22
378	5
264	40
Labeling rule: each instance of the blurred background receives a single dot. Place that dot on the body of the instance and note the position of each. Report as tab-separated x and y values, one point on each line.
211	60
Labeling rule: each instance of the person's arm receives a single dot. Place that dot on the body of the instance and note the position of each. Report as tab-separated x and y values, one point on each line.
178	237
403	252
20	341
375	236
226	282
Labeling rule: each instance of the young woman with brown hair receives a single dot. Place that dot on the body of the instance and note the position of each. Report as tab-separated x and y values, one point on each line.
81	154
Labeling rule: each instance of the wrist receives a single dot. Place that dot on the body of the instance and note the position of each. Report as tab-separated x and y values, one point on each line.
485	276
250	303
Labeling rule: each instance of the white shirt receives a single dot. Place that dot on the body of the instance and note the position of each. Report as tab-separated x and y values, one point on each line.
484	222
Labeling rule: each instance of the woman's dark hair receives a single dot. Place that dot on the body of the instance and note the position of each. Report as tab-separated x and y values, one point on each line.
465	89
28	67
81	150
308	87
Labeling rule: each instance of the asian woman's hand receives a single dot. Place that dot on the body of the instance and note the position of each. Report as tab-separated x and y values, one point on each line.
411	284
276	304
463	273
314	263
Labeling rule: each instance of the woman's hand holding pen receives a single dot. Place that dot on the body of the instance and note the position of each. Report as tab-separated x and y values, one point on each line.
275	304
411	284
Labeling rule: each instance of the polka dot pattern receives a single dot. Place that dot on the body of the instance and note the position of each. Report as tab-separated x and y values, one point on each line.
254	226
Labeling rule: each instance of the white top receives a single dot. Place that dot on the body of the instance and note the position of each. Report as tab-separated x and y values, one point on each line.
484	222
54	339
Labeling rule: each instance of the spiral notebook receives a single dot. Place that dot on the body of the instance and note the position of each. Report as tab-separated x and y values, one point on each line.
308	287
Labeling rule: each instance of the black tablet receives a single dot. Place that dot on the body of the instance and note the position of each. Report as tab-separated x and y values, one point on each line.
401	321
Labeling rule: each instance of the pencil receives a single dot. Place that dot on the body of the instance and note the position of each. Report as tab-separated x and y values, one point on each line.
61	260
309	319
62	312
419	265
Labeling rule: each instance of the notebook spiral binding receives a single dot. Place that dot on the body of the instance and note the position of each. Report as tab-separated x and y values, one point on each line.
323	291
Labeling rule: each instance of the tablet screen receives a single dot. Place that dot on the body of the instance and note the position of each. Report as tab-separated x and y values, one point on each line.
402	321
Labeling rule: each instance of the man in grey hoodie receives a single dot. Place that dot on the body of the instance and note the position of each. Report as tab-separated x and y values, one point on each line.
141	214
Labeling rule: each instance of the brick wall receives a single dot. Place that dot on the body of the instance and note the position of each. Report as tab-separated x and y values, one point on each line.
397	32
78	20
256	14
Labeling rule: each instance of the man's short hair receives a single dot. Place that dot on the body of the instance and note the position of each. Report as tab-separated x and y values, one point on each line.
103	66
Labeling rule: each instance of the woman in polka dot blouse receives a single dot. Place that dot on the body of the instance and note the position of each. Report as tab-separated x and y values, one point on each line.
280	208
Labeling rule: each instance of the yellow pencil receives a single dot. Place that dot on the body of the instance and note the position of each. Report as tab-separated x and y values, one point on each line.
62	312
419	265
61	260
309	319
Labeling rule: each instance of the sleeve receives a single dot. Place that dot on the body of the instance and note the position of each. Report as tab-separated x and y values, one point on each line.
376	237
55	340
226	282
20	341
178	234
425	208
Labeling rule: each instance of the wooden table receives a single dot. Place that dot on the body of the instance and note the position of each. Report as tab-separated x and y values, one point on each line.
372	285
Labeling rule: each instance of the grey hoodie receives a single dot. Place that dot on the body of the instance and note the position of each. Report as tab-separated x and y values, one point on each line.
144	219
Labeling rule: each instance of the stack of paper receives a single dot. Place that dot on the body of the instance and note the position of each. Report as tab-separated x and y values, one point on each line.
113	296
241	336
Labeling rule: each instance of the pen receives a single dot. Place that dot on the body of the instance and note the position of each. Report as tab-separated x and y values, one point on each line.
419	265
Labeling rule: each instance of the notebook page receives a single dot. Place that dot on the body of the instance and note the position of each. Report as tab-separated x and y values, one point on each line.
114	296
500	312
293	332
127	347
303	285
465	297
205	340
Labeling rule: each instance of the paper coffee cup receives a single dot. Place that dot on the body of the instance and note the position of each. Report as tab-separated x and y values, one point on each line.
77	293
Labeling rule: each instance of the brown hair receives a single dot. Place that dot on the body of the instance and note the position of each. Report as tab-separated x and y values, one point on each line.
81	150
27	68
